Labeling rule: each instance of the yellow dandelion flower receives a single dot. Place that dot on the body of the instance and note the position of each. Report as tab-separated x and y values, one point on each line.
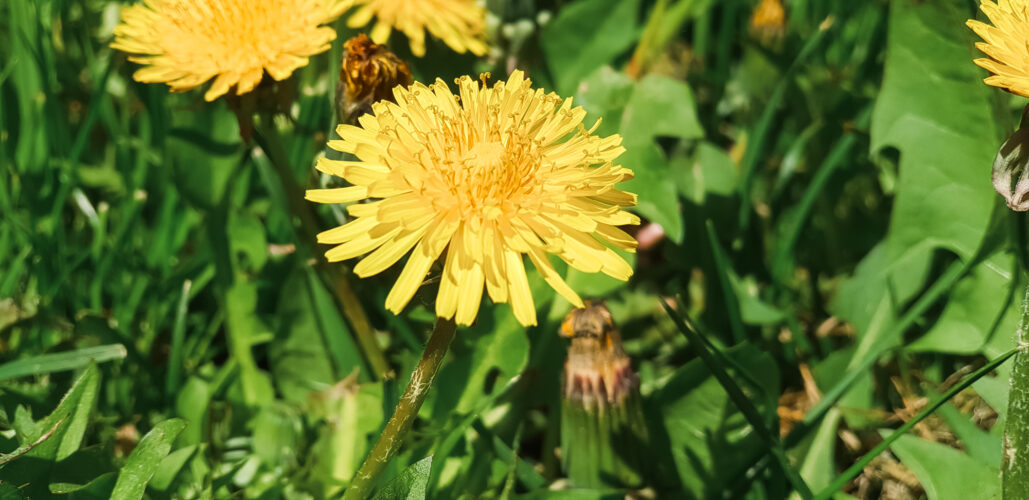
461	24
185	43
1006	43
486	177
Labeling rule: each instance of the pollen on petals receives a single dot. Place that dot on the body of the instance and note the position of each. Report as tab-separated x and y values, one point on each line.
479	179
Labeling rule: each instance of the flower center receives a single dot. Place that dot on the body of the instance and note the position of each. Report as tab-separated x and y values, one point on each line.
494	177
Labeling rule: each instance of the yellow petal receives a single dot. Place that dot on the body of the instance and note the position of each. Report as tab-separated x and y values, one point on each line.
337	195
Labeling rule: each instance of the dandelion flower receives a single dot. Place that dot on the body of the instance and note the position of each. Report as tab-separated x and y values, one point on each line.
185	43
481	180
1006	43
461	24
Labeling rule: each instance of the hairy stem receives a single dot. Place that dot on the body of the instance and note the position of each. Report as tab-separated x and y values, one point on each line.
1015	469
392	437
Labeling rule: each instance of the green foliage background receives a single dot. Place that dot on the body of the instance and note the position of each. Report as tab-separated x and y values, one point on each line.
827	213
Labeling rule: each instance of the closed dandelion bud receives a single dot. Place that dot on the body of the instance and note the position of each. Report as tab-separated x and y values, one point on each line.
603	433
1010	176
368	74
768	21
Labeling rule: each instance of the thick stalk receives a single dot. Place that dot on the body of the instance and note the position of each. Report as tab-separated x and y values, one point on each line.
392	437
1015	469
268	138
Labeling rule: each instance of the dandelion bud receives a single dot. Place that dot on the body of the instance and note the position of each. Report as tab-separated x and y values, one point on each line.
368	74
603	432
1010	177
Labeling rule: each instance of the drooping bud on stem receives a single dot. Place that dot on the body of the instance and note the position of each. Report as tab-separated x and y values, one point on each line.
1010	175
368	74
603	432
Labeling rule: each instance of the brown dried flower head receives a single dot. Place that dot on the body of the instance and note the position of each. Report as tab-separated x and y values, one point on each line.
598	372
368	74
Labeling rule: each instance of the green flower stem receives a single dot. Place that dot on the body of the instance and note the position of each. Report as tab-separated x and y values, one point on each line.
392	437
268	138
1015	468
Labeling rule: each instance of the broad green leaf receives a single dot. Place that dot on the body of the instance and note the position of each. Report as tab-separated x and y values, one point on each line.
246	331
604	95
660	106
54	438
144	461
574	494
247	241
585	35
980	308
658	198
277	431
710	172
300	357
98	489
170	467
9	491
410	484
499	344
818	468
191	404
753	310
934	108
709	439
994	390
946	473
201	176
979	444
84	465
353	415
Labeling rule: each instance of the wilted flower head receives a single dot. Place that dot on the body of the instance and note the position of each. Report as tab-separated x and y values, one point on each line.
486	177
185	43
368	74
461	24
1006	43
768	20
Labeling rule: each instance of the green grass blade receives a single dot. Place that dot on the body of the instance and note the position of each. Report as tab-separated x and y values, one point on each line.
176	356
732	303
750	412
760	136
61	361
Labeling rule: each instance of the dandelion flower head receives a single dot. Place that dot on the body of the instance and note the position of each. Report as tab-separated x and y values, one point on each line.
1006	43
185	43
482	179
461	24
